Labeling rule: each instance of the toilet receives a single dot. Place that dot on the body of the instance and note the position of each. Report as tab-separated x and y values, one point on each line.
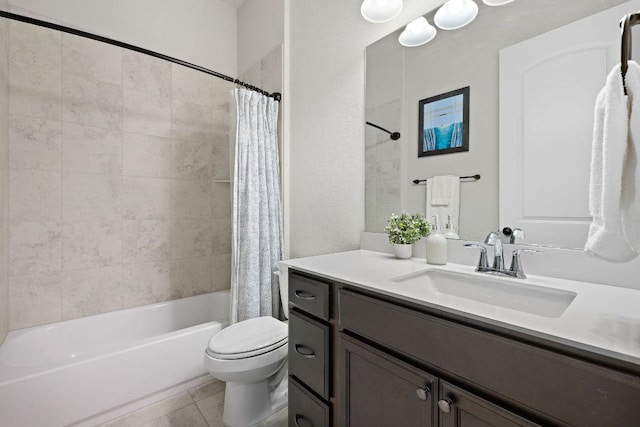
251	356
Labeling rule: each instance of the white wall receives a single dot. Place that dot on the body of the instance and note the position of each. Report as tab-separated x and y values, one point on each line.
260	30
198	31
324	120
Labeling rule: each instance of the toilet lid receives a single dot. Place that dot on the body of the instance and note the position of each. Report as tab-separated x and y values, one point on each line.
255	336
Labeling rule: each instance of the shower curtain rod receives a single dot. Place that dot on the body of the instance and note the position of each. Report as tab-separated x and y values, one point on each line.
277	96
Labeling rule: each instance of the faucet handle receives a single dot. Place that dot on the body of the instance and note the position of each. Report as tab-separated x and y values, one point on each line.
516	263
482	263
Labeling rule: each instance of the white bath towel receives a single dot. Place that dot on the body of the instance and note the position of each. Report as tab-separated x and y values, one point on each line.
611	188
443	199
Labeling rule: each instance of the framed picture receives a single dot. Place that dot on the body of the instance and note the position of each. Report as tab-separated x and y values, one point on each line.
444	123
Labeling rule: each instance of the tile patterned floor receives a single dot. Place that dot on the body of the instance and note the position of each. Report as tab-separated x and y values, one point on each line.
197	407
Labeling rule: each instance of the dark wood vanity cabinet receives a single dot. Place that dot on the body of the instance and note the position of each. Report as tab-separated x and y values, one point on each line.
393	363
310	345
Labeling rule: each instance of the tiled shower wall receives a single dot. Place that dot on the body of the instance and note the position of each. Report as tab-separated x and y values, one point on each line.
382	167
4	173
118	163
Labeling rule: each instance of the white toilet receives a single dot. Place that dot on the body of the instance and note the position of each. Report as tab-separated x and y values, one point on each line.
251	356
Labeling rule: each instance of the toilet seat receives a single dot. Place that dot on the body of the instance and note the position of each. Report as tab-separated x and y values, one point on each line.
248	338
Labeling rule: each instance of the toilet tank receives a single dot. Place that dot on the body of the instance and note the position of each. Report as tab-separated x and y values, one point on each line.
283	280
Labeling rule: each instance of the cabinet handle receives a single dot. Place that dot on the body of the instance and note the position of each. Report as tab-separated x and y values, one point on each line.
304	351
445	405
423	392
304	295
299	417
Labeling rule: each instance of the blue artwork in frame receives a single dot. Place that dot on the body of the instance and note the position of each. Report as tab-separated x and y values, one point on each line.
444	123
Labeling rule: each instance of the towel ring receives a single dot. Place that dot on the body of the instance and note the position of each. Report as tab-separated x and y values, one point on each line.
625	48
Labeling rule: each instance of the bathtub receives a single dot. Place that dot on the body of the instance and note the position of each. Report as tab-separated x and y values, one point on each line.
70	372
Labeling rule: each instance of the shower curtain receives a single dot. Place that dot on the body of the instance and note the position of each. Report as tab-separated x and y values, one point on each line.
257	211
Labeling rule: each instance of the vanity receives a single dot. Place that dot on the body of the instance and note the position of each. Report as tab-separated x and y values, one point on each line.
375	341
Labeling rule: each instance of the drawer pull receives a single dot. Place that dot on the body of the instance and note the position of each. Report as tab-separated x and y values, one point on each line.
305	295
445	405
423	393
304	351
305	421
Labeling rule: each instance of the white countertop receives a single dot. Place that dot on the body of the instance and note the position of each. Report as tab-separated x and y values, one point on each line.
601	319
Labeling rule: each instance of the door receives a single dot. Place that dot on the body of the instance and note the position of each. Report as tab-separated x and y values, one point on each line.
545	147
459	408
380	390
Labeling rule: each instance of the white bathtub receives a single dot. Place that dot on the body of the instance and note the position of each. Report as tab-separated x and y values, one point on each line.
67	372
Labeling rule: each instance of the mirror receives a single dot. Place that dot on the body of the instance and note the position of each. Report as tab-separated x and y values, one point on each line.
397	78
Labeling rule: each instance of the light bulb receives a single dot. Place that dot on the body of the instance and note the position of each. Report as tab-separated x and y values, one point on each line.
456	14
417	32
379	11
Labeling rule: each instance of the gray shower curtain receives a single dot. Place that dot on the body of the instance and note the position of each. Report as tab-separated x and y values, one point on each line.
257	210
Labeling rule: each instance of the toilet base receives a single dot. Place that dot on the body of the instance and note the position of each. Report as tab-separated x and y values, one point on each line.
248	403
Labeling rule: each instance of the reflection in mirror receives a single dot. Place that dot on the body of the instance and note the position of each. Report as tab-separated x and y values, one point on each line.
535	170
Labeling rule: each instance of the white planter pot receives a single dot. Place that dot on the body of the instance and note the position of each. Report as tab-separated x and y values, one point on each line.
402	251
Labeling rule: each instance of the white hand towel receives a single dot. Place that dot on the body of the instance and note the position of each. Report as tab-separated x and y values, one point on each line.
606	239
630	202
443	188
452	208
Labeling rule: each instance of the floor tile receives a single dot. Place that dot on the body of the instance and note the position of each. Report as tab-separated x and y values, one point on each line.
205	390
212	408
151	412
189	416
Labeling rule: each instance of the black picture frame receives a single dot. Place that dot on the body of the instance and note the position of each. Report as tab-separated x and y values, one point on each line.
439	134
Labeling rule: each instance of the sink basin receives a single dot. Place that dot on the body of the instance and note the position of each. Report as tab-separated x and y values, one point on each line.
498	291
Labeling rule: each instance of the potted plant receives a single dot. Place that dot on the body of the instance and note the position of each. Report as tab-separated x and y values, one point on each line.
404	230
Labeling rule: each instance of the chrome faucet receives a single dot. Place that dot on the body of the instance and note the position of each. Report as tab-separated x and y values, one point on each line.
493	239
498	267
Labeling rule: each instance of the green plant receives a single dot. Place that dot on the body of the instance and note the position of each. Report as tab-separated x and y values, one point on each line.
407	228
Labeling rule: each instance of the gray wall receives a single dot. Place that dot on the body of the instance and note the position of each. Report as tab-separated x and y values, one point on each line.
116	163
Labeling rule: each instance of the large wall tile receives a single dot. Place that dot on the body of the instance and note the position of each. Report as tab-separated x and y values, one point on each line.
190	276
190	199
35	46
35	143
190	122
221	272
35	299
87	292
146	73
147	156
35	247
221	200
191	85
192	160
221	236
146	198
91	197
146	283
89	244
91	59
147	113
190	238
35	195
92	103
35	91
221	166
146	240
91	149
220	119
223	94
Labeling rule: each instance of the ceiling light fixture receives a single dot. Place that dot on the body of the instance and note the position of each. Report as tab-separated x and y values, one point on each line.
456	14
379	11
496	2
417	33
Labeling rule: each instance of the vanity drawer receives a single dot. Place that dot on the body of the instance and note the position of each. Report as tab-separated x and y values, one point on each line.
305	410
560	389
309	295
309	352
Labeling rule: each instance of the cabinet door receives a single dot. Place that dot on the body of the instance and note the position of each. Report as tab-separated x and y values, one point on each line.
459	408
380	390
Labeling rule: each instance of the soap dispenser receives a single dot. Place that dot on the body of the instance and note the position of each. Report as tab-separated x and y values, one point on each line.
436	244
450	230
